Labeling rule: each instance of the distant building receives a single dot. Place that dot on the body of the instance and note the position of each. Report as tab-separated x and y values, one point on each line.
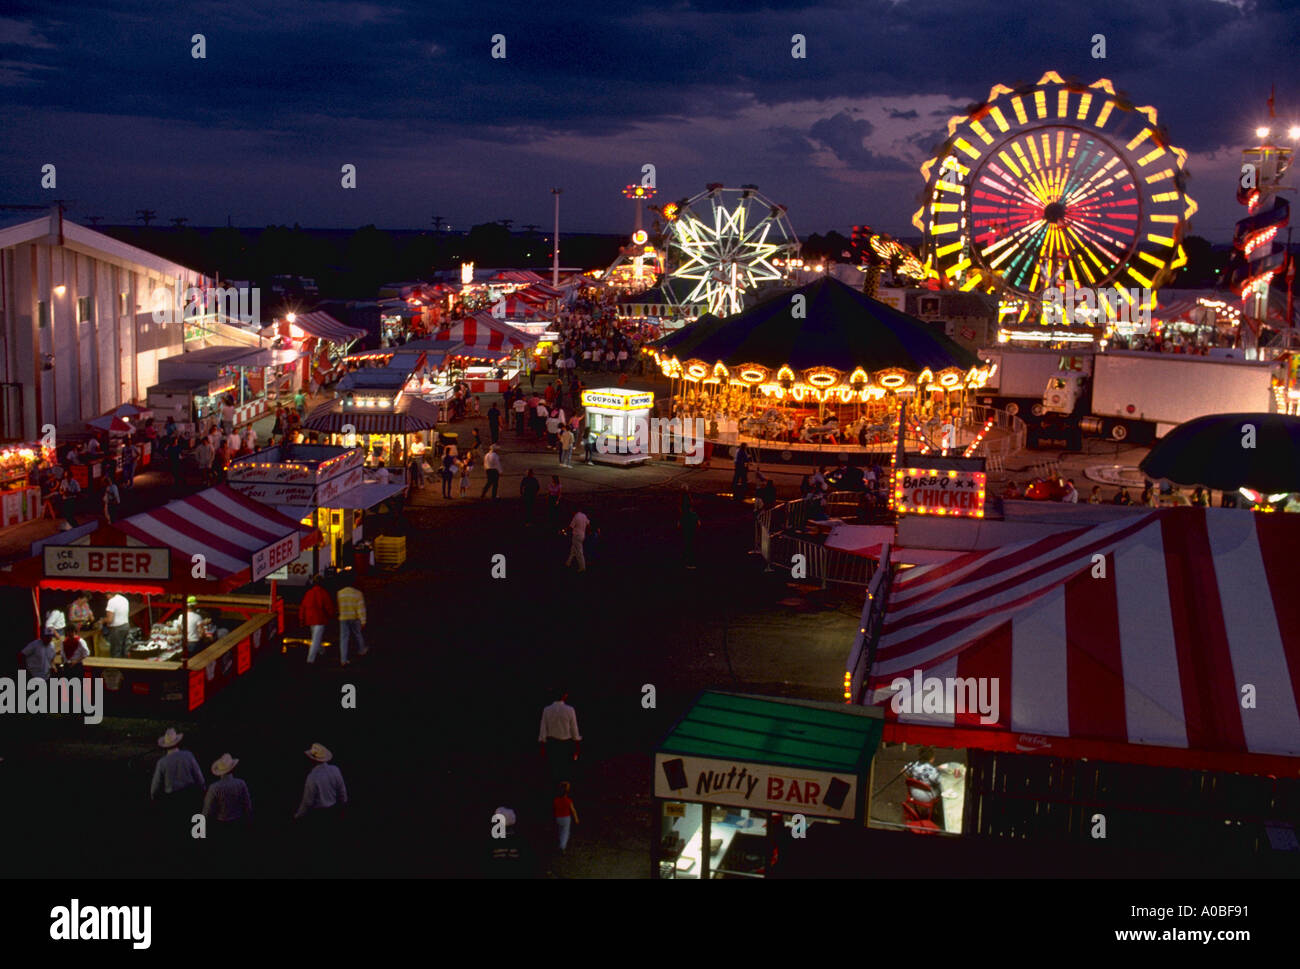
79	336
971	319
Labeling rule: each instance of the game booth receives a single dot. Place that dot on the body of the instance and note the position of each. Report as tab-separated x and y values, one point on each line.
738	772
323	487
173	573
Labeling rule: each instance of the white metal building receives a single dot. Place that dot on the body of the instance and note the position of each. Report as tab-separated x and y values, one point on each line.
78	335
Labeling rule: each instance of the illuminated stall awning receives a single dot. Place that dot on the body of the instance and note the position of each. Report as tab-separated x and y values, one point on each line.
409	416
481	332
231	531
321	325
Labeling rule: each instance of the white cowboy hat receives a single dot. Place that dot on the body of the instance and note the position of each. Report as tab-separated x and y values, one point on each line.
224	764
170	739
319	754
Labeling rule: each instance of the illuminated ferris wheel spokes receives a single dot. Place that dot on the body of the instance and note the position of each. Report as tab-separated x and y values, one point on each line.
1066	183
727	242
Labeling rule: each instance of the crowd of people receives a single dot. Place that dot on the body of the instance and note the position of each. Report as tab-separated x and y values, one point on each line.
1058	488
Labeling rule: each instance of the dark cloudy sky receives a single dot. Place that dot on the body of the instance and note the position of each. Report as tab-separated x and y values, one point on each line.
588	92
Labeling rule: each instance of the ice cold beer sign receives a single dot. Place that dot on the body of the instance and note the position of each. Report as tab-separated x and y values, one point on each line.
764	787
921	492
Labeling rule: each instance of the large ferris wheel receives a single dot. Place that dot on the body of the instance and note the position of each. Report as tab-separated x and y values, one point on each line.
1052	184
722	244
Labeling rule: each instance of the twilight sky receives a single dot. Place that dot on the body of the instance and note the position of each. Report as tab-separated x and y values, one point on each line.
588	92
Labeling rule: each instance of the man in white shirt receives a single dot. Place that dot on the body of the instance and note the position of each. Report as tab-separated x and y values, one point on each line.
178	783
492	463
520	406
38	655
577	535
117	623
235	442
559	736
250	437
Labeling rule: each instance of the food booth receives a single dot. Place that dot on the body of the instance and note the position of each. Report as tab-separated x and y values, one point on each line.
321	340
192	386
174	565
737	771
612	415
321	486
377	421
497	346
20	498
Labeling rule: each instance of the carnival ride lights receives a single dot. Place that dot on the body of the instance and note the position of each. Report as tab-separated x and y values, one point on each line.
1054	182
824	384
723	243
1257	256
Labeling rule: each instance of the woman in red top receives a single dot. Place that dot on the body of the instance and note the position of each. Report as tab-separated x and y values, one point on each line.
564	811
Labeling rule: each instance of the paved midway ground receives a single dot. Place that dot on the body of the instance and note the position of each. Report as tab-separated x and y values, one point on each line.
450	696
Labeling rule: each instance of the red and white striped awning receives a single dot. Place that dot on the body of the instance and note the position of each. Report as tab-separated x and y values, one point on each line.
1134	641
515	306
481	332
227	528
516	276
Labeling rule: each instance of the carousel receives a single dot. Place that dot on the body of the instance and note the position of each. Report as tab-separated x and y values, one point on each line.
822	367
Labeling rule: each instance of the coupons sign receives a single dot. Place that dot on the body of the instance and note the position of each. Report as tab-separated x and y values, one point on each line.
918	491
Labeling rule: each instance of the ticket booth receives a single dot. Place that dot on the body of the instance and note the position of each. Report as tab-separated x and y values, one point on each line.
620	420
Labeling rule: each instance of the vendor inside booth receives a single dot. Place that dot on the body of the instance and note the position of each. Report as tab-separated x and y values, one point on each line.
739	777
156	596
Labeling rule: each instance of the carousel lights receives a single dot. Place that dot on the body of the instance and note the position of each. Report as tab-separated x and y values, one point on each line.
893	380
970	450
753	375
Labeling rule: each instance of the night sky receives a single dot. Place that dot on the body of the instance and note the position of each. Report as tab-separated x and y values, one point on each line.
587	93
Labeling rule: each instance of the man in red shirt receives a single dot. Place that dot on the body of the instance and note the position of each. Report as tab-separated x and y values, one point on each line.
316	611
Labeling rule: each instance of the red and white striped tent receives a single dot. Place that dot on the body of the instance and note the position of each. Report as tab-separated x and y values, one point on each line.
1171	638
481	332
515	306
227	528
516	276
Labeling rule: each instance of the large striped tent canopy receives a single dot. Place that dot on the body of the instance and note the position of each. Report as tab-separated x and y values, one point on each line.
1131	641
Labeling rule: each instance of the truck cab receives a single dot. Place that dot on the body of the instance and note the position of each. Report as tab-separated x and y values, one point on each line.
1066	392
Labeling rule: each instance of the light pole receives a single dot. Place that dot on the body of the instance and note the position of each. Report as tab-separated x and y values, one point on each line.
555	255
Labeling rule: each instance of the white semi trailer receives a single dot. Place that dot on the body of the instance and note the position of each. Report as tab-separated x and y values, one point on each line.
1139	397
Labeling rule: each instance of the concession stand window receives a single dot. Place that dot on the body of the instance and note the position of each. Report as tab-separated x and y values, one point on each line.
203	547
735	772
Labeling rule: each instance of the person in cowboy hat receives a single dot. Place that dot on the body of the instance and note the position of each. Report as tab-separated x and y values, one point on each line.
227	800
178	778
324	795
